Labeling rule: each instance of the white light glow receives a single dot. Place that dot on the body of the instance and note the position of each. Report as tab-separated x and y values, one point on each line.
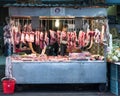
57	23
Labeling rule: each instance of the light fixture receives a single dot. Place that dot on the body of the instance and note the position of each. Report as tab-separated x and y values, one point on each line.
57	23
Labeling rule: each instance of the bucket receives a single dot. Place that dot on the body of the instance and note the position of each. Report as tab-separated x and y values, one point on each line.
8	85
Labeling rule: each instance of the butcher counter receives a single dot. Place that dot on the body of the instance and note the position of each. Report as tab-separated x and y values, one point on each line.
35	72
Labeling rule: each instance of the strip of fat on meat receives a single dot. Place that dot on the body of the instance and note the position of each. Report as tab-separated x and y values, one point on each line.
17	38
81	39
41	36
75	39
27	36
37	35
23	37
16	35
91	33
97	36
41	40
52	34
102	33
71	38
46	39
87	37
32	37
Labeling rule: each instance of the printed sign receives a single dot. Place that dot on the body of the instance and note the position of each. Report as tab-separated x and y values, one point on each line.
57	11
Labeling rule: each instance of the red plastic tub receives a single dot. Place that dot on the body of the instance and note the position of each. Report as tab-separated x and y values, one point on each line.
8	85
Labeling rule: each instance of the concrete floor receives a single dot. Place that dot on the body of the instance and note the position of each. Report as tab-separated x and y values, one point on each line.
55	90
59	94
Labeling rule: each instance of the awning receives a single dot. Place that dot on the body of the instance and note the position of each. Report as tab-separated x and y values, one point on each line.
58	11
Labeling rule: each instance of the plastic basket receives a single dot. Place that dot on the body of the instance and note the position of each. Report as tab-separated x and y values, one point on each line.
8	85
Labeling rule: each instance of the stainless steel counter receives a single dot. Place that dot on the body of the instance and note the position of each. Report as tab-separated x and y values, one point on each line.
59	72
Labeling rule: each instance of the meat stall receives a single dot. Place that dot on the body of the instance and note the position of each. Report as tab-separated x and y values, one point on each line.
77	67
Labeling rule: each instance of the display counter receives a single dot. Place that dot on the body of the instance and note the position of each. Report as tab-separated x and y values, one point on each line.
35	72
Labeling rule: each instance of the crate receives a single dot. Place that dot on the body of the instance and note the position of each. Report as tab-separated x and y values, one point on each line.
115	71
115	87
114	66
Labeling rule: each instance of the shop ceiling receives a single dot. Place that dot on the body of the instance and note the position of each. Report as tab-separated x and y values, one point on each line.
80	12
